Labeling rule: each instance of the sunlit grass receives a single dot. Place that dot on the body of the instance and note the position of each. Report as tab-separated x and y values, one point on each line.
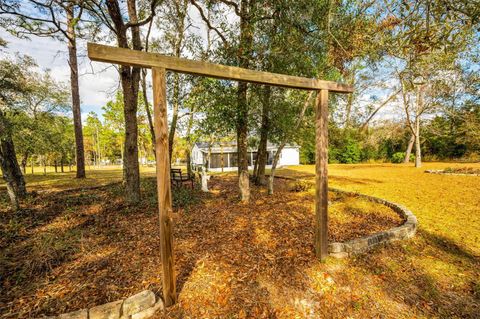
96	176
448	206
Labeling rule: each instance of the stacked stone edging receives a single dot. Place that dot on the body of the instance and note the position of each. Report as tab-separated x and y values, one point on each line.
361	245
442	172
140	306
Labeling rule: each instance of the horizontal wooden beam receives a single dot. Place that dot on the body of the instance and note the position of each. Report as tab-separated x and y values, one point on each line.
104	53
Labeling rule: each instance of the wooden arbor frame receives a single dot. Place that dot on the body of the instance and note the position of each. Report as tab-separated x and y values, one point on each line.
159	65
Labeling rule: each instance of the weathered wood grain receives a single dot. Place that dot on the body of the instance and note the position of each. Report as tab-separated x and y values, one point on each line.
104	53
321	175
163	185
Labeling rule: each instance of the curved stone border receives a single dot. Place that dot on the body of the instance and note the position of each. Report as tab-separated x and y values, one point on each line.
361	245
140	306
442	172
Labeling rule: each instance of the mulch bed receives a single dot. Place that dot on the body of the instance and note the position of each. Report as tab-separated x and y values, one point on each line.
75	249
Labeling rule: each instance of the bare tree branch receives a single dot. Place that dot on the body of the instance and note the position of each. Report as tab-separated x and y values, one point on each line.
209	25
364	125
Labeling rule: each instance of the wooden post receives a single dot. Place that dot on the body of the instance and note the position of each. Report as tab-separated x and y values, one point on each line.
321	175
163	185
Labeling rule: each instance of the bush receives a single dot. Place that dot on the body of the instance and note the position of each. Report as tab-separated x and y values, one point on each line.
398	157
301	186
350	153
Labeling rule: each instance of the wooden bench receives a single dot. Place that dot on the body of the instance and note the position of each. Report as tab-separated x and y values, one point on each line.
178	178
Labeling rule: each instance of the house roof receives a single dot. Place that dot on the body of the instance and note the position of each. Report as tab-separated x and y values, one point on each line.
231	147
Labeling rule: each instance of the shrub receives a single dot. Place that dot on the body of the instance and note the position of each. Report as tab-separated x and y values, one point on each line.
350	153
301	186
400	156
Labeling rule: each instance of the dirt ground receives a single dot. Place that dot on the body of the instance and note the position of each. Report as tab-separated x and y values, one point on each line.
72	249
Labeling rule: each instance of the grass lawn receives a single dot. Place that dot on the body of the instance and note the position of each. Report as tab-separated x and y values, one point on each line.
246	261
447	206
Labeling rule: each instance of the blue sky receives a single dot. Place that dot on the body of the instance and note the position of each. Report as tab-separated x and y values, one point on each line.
95	88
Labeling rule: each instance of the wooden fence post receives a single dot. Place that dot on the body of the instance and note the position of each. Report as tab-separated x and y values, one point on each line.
163	185
321	175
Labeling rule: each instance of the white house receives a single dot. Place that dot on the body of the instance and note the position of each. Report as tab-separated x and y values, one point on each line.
224	156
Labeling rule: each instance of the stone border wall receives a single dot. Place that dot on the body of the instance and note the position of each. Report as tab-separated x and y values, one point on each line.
140	306
442	172
361	245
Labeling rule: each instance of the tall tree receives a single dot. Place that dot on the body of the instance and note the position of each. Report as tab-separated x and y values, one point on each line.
242	44
129	76
424	40
58	19
14	85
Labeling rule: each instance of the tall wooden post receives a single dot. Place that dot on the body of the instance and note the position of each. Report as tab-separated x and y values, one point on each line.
321	175
163	185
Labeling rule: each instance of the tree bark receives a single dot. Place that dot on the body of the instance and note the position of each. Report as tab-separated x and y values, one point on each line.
8	163
130	77
147	109
242	147
419	111
244	57
409	149
418	150
189	143
262	147
24	162
173	124
77	115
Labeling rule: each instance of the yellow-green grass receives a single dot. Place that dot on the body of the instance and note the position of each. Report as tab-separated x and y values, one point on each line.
446	205
96	176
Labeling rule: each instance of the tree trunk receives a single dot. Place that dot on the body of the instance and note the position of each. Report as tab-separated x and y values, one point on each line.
274	167
61	165
77	115
44	165
418	150
33	163
242	147
147	109
173	124
262	147
130	78
11	170
24	162
244	55
55	165
189	143
130	154
409	149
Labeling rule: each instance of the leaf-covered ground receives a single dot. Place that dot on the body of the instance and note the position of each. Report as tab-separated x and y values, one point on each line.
71	249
